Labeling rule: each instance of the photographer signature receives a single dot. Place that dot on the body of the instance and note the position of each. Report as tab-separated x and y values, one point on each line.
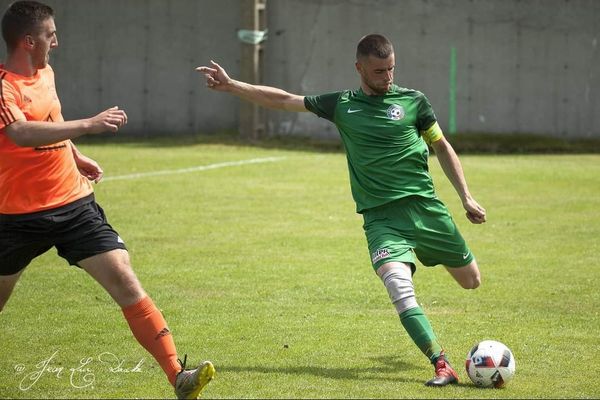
80	376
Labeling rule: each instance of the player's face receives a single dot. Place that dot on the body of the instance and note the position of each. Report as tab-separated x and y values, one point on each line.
43	41
376	74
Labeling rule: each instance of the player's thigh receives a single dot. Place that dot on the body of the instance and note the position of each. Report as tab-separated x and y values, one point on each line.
85	232
467	276
112	270
438	240
7	284
90	242
381	271
390	240
21	241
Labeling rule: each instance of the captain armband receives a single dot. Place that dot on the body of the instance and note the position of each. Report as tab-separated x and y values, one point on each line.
433	134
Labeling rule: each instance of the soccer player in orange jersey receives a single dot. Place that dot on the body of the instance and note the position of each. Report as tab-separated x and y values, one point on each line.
46	198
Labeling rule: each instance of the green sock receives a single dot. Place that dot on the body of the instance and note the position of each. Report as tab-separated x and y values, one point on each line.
420	331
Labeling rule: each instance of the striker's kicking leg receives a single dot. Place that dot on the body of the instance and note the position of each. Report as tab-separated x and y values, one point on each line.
467	276
397	278
113	271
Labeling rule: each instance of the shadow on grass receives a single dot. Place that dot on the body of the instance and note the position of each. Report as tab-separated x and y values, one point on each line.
391	369
462	143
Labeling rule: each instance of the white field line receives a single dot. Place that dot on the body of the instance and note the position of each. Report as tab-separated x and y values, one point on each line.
193	169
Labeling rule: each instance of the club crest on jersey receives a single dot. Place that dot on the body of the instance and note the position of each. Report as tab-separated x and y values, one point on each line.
379	254
395	112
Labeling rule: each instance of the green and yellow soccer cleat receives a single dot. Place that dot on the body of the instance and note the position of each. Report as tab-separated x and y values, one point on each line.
189	383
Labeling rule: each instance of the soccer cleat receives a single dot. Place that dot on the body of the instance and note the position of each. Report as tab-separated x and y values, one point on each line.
189	383
444	373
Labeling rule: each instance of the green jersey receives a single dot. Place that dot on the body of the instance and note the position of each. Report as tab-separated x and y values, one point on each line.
387	156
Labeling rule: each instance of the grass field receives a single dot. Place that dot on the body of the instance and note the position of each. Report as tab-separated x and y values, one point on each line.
263	269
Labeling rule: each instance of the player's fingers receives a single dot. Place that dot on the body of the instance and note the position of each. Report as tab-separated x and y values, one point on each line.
110	127
206	70
217	67
118	117
212	80
91	176
213	83
475	219
113	120
99	176
119	111
475	210
115	114
481	213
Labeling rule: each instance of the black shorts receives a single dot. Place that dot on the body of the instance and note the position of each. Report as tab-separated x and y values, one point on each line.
78	230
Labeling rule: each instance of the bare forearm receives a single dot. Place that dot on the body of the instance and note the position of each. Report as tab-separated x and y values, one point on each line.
39	133
74	150
36	133
453	170
267	96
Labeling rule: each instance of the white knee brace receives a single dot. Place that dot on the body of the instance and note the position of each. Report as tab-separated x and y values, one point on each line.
399	284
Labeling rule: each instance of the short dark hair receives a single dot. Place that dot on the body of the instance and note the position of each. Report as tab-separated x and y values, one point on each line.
23	18
374	45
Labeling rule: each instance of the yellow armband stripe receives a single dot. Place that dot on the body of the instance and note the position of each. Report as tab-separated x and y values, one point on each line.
433	134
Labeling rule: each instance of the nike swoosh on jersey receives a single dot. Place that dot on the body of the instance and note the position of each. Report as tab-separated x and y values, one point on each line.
351	111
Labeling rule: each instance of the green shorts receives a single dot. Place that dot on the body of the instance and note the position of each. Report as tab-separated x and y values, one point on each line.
414	226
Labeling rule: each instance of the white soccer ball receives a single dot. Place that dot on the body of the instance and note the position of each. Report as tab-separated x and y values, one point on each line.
490	364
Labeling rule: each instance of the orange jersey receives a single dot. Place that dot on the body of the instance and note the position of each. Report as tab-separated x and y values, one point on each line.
35	178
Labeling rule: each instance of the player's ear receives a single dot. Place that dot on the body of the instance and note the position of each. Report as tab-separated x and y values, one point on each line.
29	42
358	66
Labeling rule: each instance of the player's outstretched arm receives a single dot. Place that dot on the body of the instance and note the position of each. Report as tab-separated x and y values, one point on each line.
38	133
453	169
266	96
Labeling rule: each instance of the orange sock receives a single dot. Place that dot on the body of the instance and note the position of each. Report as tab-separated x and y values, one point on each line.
150	329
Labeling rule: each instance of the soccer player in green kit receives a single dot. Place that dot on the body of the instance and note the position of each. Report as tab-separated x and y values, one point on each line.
386	131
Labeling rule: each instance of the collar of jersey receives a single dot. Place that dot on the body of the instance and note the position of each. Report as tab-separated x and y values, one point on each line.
394	89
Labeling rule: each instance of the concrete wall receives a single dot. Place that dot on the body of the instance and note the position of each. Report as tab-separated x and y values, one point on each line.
141	56
522	66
